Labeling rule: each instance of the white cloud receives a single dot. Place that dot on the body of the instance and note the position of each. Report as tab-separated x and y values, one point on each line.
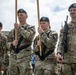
56	11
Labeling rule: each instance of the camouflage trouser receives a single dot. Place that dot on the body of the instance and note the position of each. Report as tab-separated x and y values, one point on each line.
0	64
46	68
12	69
3	66
24	68
19	67
69	69
59	66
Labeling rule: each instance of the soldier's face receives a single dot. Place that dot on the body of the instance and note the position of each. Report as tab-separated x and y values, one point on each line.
44	25
22	17
73	12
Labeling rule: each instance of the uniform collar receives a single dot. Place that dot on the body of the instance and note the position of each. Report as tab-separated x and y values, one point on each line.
48	31
25	25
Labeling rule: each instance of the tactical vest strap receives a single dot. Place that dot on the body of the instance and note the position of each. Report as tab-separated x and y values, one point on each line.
25	46
44	55
21	48
48	53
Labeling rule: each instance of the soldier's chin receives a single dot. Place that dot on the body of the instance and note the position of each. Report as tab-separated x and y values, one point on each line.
20	20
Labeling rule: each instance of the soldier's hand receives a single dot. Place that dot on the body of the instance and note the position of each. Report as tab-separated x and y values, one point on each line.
39	43
59	58
15	42
3	68
16	26
40	30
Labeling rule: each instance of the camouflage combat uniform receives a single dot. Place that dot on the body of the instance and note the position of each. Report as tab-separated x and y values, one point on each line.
48	65
19	62
3	52
69	68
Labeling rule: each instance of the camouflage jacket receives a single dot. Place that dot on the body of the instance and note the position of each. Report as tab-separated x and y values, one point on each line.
48	40
27	33
70	55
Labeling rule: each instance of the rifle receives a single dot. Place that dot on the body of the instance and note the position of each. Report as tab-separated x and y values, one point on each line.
64	39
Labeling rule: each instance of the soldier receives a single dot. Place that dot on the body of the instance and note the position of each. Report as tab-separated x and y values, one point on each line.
69	66
32	63
46	62
3	51
21	55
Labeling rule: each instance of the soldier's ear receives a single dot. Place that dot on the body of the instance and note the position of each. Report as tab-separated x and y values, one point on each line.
26	16
49	25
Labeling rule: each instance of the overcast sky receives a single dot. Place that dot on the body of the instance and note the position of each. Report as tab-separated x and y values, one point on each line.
56	10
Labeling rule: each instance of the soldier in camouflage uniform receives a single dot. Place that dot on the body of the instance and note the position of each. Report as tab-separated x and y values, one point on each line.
69	66
21	56
46	62
3	50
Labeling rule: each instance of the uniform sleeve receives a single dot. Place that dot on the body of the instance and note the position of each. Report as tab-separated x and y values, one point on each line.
28	33
4	37
10	38
50	41
35	47
4	43
60	41
5	50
